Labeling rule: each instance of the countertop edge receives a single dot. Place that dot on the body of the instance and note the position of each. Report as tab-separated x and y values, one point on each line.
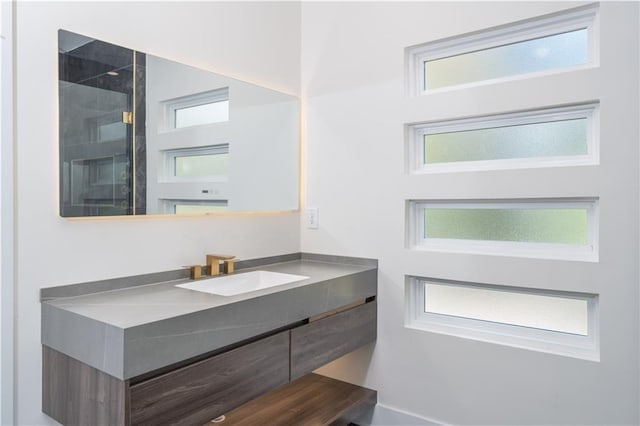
101	346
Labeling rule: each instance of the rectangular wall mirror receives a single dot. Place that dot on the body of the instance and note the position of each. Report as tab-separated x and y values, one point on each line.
142	135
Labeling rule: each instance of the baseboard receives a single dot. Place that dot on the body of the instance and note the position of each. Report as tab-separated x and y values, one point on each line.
386	416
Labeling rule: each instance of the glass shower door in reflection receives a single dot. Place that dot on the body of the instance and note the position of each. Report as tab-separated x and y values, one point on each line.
96	83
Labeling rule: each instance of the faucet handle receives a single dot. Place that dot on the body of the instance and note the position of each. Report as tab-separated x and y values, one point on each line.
196	271
228	265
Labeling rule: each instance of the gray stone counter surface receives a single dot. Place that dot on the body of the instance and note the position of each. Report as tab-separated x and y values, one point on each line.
130	331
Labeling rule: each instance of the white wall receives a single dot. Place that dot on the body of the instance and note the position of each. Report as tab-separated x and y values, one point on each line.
353	88
257	42
6	214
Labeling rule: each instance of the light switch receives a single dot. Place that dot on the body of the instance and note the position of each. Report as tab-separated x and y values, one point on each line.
312	218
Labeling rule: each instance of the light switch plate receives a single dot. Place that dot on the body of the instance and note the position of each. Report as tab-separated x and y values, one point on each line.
312	218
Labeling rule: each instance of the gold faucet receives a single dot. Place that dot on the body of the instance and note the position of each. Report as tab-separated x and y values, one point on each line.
213	266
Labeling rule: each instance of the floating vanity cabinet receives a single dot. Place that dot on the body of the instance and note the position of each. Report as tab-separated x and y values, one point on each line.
320	342
202	391
77	394
157	354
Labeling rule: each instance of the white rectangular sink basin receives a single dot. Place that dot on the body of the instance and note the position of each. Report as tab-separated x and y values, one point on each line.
231	285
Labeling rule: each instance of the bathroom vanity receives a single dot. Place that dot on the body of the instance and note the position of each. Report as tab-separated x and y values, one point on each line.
141	350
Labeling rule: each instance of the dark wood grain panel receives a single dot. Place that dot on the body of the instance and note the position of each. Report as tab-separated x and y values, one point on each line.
74	393
202	391
325	340
311	400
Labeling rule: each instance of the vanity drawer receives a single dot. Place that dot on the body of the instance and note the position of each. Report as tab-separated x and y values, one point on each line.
202	391
324	340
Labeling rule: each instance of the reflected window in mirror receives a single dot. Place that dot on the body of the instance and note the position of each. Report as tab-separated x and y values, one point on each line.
214	112
194	207
198	164
199	109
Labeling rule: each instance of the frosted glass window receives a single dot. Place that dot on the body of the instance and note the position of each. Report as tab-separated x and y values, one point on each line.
556	51
554	313
548	139
531	225
550	321
213	112
201	165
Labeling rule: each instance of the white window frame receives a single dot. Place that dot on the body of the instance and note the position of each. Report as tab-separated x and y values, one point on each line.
212	96
170	163
416	132
585	17
588	252
573	345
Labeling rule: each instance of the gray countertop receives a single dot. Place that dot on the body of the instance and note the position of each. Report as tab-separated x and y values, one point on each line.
131	331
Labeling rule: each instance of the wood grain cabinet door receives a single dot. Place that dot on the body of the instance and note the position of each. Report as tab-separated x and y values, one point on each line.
320	342
199	392
76	394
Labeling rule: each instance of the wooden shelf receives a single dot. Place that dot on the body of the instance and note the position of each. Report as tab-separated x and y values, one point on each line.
310	400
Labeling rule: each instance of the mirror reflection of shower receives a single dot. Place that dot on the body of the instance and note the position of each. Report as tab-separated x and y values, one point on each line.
96	94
